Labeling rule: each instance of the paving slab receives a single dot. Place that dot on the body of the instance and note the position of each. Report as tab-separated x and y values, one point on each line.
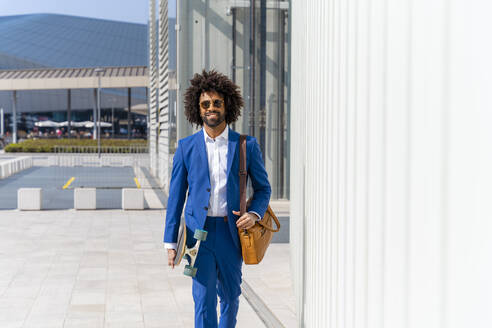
271	280
103	268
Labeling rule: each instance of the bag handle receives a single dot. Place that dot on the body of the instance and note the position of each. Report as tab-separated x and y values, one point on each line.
274	217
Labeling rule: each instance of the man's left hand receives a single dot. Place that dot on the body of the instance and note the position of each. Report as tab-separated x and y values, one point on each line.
246	221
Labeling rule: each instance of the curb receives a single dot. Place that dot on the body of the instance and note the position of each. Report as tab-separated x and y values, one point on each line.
264	313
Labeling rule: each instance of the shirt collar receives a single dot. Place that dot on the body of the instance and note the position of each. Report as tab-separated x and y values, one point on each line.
224	135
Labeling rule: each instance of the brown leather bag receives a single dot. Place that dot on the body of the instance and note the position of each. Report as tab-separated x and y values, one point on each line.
255	240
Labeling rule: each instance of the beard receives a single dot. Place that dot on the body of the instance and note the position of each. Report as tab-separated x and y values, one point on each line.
213	121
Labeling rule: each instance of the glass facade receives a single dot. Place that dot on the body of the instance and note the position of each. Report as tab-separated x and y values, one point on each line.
248	41
259	67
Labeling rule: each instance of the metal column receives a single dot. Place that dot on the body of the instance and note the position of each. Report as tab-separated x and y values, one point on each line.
281	105
263	47
94	116
252	67
129	112
1	122
14	116
233	65
69	112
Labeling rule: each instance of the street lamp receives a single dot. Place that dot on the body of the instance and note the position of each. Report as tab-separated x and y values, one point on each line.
98	71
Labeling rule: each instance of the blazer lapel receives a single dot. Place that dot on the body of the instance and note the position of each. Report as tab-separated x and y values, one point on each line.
233	140
202	152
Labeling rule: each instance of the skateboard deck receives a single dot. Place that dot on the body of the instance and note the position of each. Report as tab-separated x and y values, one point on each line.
190	253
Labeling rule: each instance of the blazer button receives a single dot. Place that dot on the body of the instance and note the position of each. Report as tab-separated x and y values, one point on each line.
208	189
205	208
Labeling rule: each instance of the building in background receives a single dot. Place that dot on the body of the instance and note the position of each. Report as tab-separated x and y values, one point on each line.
60	41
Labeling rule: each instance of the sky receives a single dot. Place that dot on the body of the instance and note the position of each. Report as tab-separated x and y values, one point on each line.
135	11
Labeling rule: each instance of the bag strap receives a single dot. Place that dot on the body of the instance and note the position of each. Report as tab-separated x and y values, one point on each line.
243	174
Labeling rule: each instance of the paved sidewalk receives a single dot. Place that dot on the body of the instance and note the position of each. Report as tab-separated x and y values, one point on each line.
104	268
272	282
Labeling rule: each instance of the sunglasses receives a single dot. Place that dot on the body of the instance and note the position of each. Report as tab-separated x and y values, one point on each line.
206	103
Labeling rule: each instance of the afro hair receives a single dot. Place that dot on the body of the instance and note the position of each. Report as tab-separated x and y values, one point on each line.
212	81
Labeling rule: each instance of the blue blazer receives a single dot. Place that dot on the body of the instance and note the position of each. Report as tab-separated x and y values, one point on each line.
190	173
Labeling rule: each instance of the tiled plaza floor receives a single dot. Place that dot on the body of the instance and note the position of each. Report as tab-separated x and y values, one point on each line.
107	268
272	282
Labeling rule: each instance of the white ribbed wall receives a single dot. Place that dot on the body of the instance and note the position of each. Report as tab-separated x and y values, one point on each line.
159	93
391	161
153	84
163	114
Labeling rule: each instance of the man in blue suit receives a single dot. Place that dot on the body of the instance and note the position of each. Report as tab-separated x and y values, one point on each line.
206	165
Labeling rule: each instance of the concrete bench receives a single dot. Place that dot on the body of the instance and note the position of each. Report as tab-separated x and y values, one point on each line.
132	199
29	199
84	199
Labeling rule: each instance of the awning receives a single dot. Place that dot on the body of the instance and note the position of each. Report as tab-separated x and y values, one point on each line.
73	78
85	124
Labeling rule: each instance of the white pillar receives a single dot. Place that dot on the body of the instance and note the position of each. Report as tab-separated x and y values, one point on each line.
390	163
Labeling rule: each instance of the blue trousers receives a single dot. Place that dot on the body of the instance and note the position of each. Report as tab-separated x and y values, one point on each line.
218	266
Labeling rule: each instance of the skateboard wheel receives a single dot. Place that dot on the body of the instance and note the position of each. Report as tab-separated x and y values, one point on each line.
200	234
190	271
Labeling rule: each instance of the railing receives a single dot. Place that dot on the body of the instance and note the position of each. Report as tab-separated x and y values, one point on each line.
134	149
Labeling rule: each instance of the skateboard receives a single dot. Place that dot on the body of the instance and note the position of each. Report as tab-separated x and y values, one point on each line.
190	253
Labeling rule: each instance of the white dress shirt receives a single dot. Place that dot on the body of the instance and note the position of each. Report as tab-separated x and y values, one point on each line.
217	169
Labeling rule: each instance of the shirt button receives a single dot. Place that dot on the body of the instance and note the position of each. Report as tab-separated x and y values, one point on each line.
205	208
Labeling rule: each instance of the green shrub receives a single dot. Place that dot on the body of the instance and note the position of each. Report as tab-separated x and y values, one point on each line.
13	148
74	145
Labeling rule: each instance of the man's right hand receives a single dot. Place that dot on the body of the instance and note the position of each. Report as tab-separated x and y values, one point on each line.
171	255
